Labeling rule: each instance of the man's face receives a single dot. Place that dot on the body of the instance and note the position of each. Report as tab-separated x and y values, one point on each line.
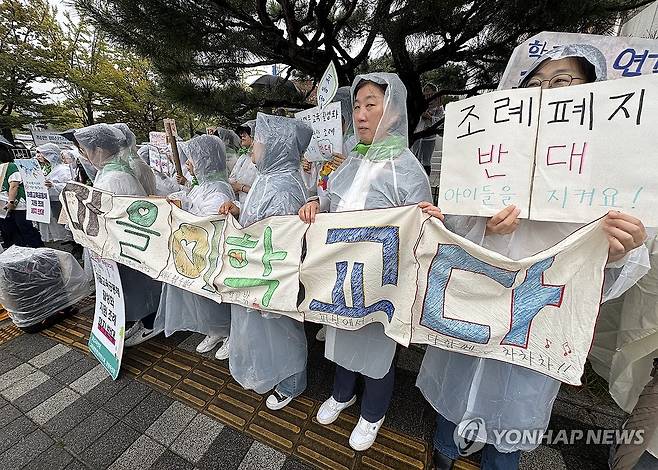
245	139
558	73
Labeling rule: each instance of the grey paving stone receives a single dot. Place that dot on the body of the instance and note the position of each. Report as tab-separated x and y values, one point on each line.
12	376
196	438
77	370
9	362
75	414
38	395
25	450
76	465
62	363
90	429
147	411
171	461
49	356
171	423
54	405
107	389
55	458
8	414
226	452
141	455
542	457
262	457
126	399
25	385
15	431
109	446
3	402
25	347
89	380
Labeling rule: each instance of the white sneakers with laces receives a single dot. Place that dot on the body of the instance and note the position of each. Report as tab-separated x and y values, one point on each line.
223	352
140	335
364	434
330	409
208	344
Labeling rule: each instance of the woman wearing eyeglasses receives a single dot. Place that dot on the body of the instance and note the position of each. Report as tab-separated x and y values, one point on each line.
495	395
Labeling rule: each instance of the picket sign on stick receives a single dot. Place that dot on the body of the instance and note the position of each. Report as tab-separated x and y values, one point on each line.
397	267
591	148
327	127
328	86
170	130
36	192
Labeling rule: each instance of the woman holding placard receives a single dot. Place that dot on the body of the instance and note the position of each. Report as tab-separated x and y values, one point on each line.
380	172
57	174
494	396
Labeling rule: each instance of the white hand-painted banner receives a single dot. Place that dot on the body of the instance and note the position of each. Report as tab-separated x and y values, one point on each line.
393	266
623	56
591	149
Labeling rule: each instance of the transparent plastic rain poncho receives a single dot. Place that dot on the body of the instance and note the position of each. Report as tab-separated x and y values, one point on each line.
108	150
141	169
388	175
232	145
267	348
507	396
59	175
244	171
35	283
179	309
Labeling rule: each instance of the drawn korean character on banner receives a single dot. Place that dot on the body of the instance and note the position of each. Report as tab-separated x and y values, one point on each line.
85	207
369	265
260	264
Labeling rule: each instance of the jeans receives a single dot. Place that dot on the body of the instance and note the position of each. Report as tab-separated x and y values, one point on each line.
377	393
492	459
293	386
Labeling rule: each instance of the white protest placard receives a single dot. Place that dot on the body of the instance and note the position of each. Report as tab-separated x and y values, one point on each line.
596	151
328	86
36	192
3	206
108	330
327	127
488	152
159	160
44	137
623	56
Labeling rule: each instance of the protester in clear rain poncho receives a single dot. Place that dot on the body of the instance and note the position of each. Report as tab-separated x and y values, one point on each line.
57	174
232	144
107	149
179	309
244	172
380	172
502	395
267	350
140	169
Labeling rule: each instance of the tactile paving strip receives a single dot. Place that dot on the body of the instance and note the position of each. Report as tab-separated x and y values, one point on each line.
4	314
207	385
9	332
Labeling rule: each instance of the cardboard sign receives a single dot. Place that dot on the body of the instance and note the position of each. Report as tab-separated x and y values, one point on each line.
108	330
36	192
327	127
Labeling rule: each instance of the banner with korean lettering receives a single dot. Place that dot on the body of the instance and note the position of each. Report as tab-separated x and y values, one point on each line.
393	266
36	192
624	56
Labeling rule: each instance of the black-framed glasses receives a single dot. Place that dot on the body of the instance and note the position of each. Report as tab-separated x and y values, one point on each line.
558	81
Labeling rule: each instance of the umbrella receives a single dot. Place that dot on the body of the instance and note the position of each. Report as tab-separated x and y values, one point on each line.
271	82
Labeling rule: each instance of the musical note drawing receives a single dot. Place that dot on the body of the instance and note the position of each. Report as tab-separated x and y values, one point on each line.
567	349
548	343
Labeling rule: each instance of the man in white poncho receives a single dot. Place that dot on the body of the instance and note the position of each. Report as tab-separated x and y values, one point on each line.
268	351
179	309
380	172
504	396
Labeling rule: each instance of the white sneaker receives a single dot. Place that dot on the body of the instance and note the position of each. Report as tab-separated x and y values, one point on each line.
143	334
223	352
208	344
134	328
276	401
364	434
322	334
330	409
